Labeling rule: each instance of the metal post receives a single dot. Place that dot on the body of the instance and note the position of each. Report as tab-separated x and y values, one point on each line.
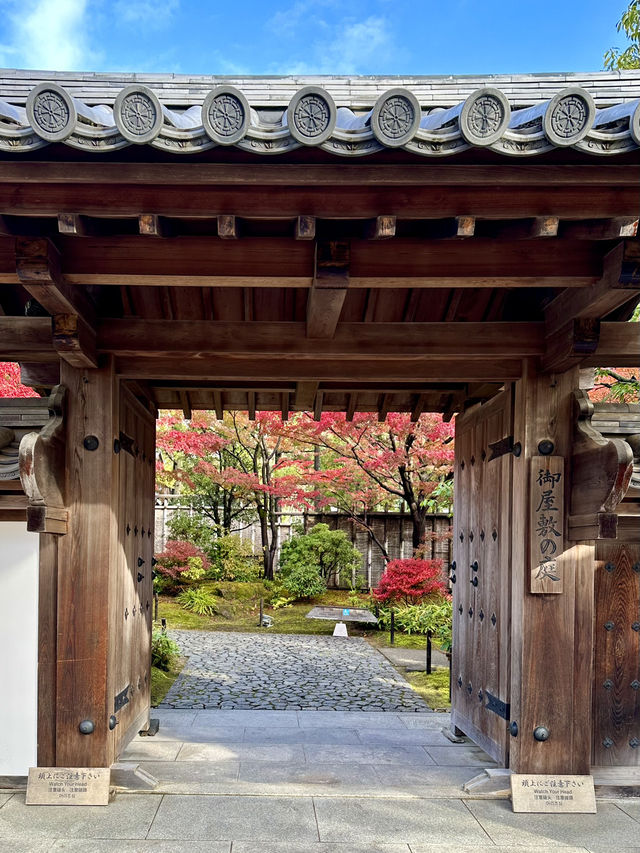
261	612
155	606
392	629
428	652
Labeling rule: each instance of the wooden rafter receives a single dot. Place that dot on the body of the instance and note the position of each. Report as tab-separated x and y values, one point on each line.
329	289
602	297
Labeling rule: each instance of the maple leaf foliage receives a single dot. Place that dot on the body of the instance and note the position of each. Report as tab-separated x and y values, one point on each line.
10	385
410	580
235	468
367	463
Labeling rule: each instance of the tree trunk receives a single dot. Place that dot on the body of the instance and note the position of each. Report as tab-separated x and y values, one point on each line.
267	550
418	520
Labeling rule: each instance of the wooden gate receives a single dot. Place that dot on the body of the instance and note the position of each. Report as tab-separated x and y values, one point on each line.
131	597
616	687
95	580
481	576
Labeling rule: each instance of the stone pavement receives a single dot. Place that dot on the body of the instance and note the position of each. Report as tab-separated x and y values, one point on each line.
286	672
307	782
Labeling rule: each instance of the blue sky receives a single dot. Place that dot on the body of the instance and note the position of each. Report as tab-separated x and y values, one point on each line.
309	36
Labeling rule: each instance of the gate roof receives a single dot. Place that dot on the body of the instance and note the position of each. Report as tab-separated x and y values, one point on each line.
491	220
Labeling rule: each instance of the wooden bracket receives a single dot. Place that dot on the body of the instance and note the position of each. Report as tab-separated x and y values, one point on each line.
74	340
571	344
329	289
42	471
601	470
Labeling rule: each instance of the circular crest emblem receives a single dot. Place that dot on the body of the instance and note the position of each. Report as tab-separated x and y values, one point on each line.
395	117
485	116
311	116
634	125
225	115
138	114
569	116
51	112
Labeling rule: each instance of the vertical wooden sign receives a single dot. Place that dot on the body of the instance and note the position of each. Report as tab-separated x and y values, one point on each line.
546	527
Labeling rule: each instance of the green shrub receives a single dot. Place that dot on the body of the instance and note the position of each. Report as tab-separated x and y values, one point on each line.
198	601
163	650
323	552
227	557
434	616
304	581
232	560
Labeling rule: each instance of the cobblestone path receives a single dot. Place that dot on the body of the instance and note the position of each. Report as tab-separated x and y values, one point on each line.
286	672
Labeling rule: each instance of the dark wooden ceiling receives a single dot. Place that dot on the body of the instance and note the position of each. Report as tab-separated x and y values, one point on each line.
374	286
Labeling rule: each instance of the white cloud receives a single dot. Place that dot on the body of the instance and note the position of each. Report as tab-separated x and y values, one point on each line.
153	13
46	34
347	46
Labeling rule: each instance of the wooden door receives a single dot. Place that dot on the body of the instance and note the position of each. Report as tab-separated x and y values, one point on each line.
616	687
481	567
131	583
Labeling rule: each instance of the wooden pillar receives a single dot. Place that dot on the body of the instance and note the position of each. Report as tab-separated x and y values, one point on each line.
551	634
85	556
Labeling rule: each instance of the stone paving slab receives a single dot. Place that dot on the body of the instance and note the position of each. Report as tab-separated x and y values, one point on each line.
235	818
319	847
286	672
85	845
504	827
462	754
19	845
128	816
380	820
338	754
398	737
241	752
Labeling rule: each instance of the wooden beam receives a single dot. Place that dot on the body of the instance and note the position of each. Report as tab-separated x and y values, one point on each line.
227	227
186	405
356	200
217	405
74	225
381	228
152	225
197	261
38	270
305	228
20	336
387	371
305	396
383	407
329	289
571	344
618	345
455	226
602	297
352	401
74	340
284	405
457	341
40	375
418	407
317	409
600	229
311	175
251	405
522	229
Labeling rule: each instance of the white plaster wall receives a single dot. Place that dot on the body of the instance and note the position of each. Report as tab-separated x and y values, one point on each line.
19	561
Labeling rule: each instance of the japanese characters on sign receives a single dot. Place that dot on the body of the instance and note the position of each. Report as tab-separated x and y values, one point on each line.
72	786
546	500
553	794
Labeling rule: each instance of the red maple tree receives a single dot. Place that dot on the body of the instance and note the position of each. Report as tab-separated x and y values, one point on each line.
10	385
